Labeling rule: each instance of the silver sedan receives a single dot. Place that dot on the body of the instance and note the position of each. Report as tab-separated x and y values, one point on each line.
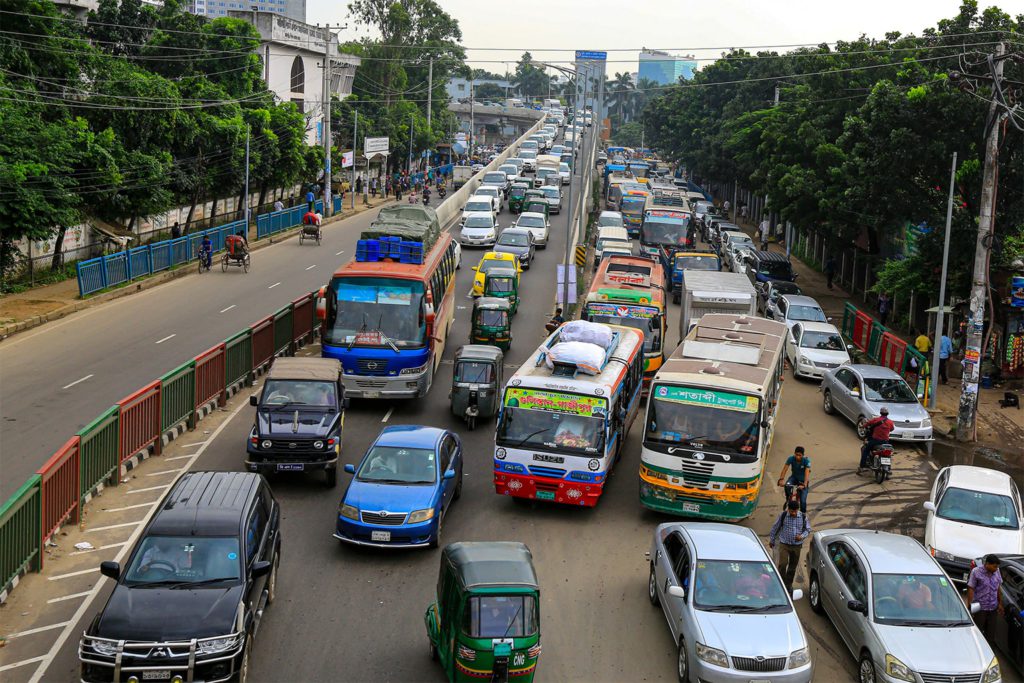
859	392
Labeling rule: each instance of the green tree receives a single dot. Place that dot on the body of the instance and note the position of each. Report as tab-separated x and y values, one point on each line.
530	80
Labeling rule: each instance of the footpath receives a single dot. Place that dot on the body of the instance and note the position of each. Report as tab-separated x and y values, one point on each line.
25	310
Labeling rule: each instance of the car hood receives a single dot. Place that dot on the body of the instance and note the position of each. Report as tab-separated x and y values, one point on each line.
825	356
389	497
971	540
282	423
750	635
901	412
950	650
467	230
511	249
142	613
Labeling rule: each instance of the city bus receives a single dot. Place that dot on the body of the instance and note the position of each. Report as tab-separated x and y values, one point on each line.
710	419
629	290
388	321
560	431
666	231
632	205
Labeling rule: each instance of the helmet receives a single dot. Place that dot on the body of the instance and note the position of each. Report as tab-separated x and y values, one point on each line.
884	411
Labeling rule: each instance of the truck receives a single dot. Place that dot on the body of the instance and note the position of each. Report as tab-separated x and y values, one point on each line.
546	163
461	175
714	292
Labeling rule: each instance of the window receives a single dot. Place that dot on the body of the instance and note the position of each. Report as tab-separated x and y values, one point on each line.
500	616
849	570
847	379
298	82
254	530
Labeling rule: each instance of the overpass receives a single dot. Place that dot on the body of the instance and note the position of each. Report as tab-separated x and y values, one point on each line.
495	123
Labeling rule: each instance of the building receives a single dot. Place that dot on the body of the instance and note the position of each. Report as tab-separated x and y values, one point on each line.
293	9
664	68
458	88
292	52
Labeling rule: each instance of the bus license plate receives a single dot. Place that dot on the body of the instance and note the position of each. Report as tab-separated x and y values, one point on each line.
545	495
158	675
382	536
691	507
290	467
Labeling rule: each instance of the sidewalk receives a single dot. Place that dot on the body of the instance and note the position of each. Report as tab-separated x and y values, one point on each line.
25	310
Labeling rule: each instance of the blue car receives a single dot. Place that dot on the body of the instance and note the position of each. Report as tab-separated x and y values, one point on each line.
402	488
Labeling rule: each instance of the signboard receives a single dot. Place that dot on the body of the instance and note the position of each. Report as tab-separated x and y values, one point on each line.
1017	291
551	401
620	311
376	145
560	280
591	55
707	398
346	160
660	213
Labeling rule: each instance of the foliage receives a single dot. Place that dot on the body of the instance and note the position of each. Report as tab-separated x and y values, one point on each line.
629	134
530	80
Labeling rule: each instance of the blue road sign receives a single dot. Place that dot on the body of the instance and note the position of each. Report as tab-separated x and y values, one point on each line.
591	55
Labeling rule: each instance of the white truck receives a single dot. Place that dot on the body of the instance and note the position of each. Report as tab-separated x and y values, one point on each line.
709	291
461	175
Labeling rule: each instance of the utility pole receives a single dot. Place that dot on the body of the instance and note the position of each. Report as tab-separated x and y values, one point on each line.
942	289
966	426
570	237
355	141
411	117
247	181
327	120
430	89
472	137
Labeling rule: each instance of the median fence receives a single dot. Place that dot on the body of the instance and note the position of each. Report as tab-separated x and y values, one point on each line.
136	427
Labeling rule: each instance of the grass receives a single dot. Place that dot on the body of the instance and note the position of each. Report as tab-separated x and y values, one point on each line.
24	283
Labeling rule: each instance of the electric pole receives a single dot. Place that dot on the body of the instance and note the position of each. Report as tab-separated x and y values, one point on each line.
355	138
472	98
410	148
327	120
430	89
942	289
247	130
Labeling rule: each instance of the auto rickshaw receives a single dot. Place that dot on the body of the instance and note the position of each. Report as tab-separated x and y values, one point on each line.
517	197
485	622
503	283
476	382
491	322
534	205
533	195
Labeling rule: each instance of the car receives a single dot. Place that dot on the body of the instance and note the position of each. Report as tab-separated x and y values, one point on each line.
769	266
511	172
543	177
497	179
812	348
478	204
517	162
530	145
602	158
557	150
769	292
794	308
564	172
899	615
554	196
519	242
730	238
972	511
195	587
492	259
529	157
735	254
537	224
402	488
858	392
494	193
611	219
477	167
726	606
479	229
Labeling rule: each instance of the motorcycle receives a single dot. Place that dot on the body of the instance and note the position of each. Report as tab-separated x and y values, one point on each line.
441	192
881	462
426	199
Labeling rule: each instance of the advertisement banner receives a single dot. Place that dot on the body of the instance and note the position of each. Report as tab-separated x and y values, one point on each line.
620	311
555	402
346	160
708	398
1017	291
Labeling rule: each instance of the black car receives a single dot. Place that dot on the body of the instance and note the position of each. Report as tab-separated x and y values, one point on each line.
768	294
191	596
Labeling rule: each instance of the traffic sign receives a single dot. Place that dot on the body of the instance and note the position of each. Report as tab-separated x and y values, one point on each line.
591	55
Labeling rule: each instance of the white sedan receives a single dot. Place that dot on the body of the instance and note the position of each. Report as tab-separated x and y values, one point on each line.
812	348
537	224
479	230
494	193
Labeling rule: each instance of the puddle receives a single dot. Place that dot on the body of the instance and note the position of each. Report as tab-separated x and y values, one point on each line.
950	453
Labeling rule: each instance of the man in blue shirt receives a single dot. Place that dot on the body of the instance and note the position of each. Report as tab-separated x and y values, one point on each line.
945	351
310	199
799	479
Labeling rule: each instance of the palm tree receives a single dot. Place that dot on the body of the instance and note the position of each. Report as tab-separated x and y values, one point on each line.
619	95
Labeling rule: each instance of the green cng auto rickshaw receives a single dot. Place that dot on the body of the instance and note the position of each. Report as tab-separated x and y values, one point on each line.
485	624
479	372
491	322
516	197
503	283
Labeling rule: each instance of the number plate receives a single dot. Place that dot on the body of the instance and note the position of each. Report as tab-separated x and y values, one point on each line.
371	394
885	461
158	675
545	495
384	536
691	507
967	576
290	467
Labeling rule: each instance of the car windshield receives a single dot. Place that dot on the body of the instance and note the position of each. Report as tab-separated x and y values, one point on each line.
375	312
398	465
550	192
978	507
513	239
736	587
704	419
927	600
170	560
888	390
530	222
696	262
808	313
491	317
474	372
279	392
482	206
500	616
496	177
781	288
552	421
479	222
488	190
528	154
613	241
824	341
613	221
776	269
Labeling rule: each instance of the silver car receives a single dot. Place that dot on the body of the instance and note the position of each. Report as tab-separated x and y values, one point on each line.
859	392
895	609
726	607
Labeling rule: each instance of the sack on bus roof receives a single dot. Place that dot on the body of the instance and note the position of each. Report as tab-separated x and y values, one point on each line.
587	357
586	331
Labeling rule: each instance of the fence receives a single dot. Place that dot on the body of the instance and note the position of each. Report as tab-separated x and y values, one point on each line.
94	456
885	348
276	221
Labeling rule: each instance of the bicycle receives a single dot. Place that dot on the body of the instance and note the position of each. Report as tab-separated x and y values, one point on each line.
205	260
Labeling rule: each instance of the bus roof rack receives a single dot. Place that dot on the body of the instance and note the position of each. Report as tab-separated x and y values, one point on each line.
569	369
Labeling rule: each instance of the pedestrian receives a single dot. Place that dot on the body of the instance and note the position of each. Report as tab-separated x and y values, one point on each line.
983	588
359	184
789	531
373	188
799	479
278	205
922	343
175	231
884	306
556	321
726	205
945	351
830	270
310	199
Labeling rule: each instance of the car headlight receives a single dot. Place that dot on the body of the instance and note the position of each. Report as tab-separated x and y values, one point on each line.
799	658
992	673
712	655
414	371
898	669
105	648
927	422
348	511
266	443
421	515
216	645
804	360
318	445
943	555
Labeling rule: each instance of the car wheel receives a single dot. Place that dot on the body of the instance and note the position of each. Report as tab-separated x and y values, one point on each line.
861	431
331	477
243	667
435	542
814	594
826	403
866	669
652	587
683	662
272	579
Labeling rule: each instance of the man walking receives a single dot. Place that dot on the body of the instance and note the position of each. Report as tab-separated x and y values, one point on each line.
830	270
983	588
278	205
789	531
945	351
310	199
799	479
884	306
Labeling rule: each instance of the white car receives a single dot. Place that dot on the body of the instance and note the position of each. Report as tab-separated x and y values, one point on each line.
479	204
494	193
511	172
537	224
972	511
812	348
610	219
479	230
565	172
794	308
529	157
554	197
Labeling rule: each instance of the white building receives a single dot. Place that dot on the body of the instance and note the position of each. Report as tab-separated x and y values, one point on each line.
293	9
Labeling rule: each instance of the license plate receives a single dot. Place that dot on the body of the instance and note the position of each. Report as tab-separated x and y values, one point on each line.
691	507
545	495
158	675
384	536
967	576
371	394
885	461
290	467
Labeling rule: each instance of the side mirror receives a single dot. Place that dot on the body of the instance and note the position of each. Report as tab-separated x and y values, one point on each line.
855	391
975	607
850	348
857	606
798	594
260	568
350	469
345	402
254	400
677	592
476	268
449	474
110	570
928	505
827	319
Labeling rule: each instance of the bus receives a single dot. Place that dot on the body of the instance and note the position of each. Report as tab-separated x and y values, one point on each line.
628	290
388	321
711	417
615	177
560	431
663	232
632	205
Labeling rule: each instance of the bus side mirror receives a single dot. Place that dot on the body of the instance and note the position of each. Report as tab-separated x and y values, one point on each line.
765	424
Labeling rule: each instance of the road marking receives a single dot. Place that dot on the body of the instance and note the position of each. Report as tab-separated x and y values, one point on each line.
170	336
81	572
77	381
340	252
15	665
311	267
21	634
273	285
67	597
934	466
162	473
149	488
387	415
108	527
126	507
225	310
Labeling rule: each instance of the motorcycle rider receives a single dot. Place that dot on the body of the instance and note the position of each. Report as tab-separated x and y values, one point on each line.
426	196
877	430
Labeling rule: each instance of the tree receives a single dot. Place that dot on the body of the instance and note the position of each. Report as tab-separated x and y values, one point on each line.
629	135
489	91
530	80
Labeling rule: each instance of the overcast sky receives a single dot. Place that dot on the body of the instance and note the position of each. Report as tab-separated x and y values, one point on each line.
550	30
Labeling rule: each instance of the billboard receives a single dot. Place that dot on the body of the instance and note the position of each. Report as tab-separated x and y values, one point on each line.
376	145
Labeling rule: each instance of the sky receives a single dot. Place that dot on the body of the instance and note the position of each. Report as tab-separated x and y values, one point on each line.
552	30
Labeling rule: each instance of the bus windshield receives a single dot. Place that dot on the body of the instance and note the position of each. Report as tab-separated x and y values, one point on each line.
552	421
375	311
664	232
704	419
644	318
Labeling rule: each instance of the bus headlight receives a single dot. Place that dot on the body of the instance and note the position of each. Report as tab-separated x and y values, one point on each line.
594	465
500	453
415	371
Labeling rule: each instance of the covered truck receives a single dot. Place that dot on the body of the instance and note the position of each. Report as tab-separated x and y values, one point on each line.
715	292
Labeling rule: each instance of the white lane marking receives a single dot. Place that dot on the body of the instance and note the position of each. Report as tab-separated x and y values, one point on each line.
273	285
311	267
934	466
67	597
81	572
225	310
102	547
77	381
170	336
340	252
108	527
387	415
126	507
162	473
148	488
21	634
86	605
15	665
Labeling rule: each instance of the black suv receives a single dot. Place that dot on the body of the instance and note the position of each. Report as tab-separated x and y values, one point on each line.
192	594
